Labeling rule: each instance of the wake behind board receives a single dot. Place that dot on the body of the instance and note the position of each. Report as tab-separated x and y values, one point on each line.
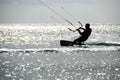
66	43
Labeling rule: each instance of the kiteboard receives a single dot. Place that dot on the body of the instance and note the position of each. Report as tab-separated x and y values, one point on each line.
69	43
66	43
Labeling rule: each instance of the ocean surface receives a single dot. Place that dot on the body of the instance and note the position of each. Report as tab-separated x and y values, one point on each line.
33	52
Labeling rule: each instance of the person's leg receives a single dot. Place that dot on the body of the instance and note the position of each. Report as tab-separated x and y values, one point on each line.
76	41
79	44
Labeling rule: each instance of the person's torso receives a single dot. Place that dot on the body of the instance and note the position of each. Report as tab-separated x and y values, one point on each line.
86	33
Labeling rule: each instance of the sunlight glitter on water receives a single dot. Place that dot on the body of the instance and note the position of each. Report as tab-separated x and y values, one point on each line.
31	52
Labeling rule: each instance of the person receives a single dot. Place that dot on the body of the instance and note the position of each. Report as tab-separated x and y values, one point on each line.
84	35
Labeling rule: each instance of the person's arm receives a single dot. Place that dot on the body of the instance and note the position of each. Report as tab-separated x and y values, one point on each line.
82	28
79	31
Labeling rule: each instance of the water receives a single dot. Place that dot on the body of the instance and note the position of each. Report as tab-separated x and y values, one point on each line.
32	52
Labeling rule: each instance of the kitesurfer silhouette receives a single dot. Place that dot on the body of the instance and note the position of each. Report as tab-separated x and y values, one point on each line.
83	35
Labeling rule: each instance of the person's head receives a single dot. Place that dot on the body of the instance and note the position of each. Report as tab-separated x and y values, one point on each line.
87	25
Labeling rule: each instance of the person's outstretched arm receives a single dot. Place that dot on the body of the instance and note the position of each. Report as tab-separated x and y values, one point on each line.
81	28
79	31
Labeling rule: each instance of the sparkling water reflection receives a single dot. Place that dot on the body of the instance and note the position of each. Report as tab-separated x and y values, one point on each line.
60	66
31	52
